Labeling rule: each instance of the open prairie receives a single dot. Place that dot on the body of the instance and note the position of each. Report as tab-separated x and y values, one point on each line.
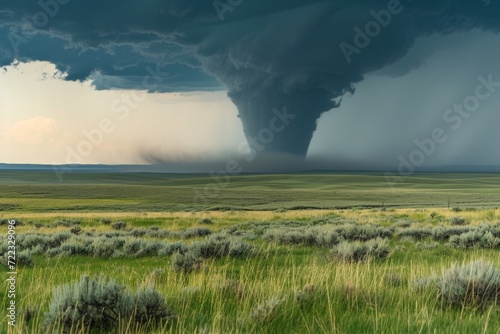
303	253
147	192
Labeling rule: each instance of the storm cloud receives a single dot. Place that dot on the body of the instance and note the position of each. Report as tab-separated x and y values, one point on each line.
301	55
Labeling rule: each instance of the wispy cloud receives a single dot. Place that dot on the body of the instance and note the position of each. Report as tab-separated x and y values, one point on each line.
32	131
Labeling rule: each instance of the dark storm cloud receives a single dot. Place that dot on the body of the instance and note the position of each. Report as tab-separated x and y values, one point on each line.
301	54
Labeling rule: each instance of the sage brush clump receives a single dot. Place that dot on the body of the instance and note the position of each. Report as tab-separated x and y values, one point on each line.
146	306
186	262
23	259
195	232
172	248
240	249
138	232
403	223
484	236
355	232
134	247
67	223
474	284
76	246
213	247
362	251
42	242
417	233
206	221
218	246
119	225
327	235
105	247
443	233
291	236
102	304
458	221
76	230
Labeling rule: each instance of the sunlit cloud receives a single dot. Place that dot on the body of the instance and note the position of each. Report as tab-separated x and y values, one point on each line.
32	131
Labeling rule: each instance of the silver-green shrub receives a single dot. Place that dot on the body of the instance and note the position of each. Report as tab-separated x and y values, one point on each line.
90	303
105	247
362	251
443	233
76	230
195	232
138	232
23	258
171	248
160	234
212	247
76	246
134	247
458	221
101	304
186	262
403	223
119	225
476	284
240	249
147	306
481	237
295	236
352	232
417	233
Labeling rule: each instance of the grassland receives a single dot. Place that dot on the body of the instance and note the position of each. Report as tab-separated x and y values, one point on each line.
285	284
43	192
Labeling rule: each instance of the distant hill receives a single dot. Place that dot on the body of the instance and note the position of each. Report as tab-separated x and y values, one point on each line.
79	168
165	169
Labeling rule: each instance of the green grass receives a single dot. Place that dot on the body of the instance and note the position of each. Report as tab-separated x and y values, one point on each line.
318	293
23	191
222	296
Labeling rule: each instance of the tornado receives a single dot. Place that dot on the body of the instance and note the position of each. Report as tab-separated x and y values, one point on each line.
290	117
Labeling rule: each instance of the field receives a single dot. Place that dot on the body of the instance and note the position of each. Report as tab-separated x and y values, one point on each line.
303	253
43	192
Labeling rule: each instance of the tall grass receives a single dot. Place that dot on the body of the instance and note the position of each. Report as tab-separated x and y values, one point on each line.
248	282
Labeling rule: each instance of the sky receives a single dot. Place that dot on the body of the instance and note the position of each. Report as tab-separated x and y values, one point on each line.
294	84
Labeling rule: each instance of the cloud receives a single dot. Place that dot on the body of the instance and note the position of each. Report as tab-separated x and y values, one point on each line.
32	131
301	54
